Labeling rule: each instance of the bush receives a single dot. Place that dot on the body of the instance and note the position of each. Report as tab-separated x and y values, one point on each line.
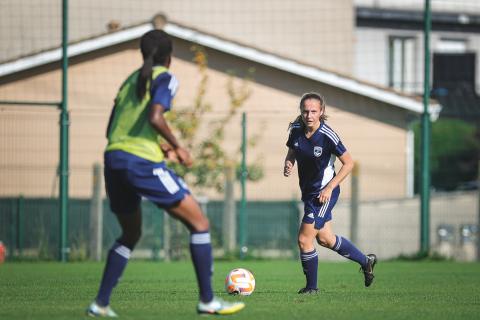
454	154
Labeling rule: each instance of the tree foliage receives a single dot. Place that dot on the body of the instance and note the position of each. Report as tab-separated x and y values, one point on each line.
454	153
210	157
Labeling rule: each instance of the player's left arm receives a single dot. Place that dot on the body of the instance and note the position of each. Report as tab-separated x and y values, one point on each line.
347	166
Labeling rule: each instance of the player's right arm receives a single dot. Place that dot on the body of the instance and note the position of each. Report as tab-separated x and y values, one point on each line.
157	120
289	162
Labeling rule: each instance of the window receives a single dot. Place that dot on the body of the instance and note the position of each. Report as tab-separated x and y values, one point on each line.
401	63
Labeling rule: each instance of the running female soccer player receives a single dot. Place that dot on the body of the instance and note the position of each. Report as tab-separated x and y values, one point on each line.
135	168
315	146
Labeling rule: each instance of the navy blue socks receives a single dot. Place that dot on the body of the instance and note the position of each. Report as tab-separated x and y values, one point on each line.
201	251
117	260
310	268
348	250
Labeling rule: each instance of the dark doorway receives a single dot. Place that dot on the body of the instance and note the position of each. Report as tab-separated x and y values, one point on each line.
454	85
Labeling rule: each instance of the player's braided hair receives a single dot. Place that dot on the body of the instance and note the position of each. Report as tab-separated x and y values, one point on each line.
156	47
309	95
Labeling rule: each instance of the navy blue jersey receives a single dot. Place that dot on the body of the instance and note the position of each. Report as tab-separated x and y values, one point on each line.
315	157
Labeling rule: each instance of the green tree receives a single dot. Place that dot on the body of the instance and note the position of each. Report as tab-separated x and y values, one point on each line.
454	153
210	157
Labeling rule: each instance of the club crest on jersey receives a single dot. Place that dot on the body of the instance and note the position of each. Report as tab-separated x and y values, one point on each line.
317	151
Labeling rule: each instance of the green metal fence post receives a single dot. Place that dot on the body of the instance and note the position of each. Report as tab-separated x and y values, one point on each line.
243	180
157	218
64	123
294	226
425	168
478	211
20	225
13	227
96	215
354	203
167	248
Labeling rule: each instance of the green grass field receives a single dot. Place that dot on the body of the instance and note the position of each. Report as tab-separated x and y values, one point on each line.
148	290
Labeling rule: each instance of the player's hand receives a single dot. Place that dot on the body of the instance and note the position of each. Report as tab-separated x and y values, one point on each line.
169	152
184	157
287	169
325	194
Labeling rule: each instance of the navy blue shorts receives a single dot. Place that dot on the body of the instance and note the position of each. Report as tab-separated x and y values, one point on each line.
128	178
319	213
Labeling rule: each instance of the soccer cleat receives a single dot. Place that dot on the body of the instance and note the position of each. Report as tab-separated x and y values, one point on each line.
308	291
368	271
220	307
94	310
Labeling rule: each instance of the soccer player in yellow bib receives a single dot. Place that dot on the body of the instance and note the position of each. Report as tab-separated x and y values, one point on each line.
135	168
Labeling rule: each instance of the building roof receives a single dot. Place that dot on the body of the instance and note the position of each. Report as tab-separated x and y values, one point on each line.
362	88
449	6
414	20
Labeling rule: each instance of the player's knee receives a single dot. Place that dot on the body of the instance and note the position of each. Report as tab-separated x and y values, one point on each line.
322	242
137	235
131	238
201	225
326	241
304	242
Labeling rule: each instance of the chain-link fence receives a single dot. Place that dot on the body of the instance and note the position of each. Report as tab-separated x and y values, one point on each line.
365	56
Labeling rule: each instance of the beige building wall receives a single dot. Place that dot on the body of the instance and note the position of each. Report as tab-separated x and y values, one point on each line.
374	133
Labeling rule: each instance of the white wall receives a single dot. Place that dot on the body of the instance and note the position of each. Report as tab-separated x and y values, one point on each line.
391	227
372	56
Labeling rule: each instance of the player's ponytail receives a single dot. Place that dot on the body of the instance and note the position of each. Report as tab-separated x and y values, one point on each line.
156	47
144	75
298	122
